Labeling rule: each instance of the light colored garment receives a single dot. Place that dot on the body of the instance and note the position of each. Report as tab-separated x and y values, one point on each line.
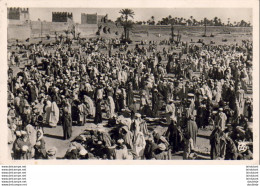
90	106
143	128
48	111
124	121
40	107
221	120
170	113
170	108
54	115
188	147
139	143
11	139
31	133
17	101
218	95
192	129
110	107
82	115
100	94
121	154
127	137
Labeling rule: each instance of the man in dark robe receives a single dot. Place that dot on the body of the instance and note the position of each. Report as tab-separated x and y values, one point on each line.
75	111
67	122
32	93
98	116
130	94
215	143
231	149
155	102
202	116
174	136
150	147
119	102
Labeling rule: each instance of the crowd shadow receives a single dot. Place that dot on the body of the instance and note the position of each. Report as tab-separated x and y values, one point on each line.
53	136
203	136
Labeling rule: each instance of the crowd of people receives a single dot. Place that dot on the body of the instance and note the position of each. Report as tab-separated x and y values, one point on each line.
185	87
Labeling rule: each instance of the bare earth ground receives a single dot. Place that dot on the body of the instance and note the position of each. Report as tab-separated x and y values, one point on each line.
53	136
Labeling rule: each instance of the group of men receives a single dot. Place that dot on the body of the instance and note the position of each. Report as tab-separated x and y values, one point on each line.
185	87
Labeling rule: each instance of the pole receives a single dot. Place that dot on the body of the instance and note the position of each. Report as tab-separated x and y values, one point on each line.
41	30
172	33
178	38
205	32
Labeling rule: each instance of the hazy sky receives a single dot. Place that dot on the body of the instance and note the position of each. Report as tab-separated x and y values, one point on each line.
143	14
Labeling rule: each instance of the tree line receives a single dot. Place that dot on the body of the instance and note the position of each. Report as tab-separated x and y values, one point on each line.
169	20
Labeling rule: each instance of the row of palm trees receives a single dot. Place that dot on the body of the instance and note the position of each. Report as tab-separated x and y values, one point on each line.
127	24
191	21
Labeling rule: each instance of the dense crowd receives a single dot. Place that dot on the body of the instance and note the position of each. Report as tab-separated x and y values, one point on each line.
70	83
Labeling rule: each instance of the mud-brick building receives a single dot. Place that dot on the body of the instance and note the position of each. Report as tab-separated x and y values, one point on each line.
62	17
18	15
18	23
92	18
89	18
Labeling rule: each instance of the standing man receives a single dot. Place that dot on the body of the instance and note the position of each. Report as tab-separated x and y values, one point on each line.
221	119
170	112
155	102
192	129
67	121
98	116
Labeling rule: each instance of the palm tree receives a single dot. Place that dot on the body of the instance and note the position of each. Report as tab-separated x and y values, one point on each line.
205	24
189	22
128	26
119	21
215	21
66	32
153	22
126	13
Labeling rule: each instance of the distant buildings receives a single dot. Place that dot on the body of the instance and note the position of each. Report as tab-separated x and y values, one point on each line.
62	17
102	18
89	18
92	18
18	15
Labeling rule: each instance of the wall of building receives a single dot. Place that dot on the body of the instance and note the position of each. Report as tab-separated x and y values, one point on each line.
24	14
18	15
100	18
20	32
61	16
13	13
89	18
47	28
86	30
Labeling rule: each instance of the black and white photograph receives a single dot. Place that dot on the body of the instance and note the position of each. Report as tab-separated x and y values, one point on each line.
130	83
